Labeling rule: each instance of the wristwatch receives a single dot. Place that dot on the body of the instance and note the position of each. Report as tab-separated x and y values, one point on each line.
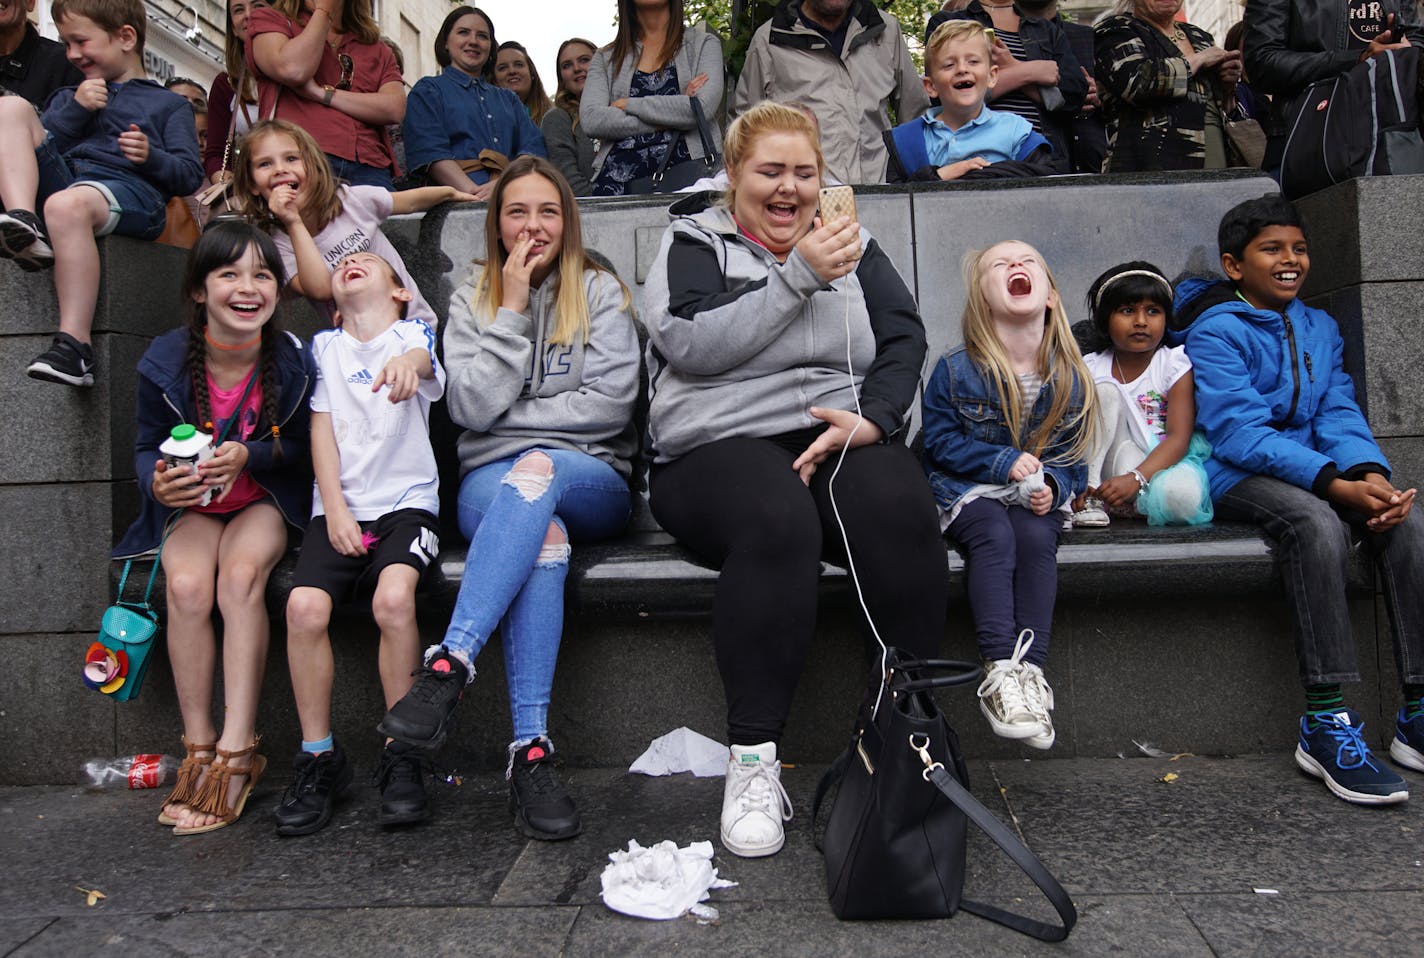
330	92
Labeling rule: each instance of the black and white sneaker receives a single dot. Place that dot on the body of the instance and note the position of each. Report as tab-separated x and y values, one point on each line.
404	797
24	240
66	361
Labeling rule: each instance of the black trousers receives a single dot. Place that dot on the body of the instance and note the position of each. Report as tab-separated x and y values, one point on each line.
739	503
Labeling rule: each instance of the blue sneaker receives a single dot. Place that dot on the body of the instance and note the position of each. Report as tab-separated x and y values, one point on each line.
1407	747
1334	750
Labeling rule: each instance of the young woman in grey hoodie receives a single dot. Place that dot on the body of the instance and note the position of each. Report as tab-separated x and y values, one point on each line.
543	374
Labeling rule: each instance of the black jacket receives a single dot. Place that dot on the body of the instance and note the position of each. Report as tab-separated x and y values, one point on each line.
37	68
1290	44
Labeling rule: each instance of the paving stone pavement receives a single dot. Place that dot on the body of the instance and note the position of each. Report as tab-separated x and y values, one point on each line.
1162	868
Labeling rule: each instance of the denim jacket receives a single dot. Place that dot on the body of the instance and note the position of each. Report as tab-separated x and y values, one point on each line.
967	441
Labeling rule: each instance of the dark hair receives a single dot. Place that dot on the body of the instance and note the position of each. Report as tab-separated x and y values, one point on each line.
442	37
1123	285
627	37
1245	220
1235	36
223	243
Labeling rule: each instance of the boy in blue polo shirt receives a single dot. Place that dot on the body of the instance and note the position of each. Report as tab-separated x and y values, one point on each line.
1292	452
962	135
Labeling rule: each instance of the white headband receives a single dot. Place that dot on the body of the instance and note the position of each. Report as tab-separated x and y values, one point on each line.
1098	300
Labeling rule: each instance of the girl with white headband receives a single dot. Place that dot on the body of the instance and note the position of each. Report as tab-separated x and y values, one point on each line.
1146	462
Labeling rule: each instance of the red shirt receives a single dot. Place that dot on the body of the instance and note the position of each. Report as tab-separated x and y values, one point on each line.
338	134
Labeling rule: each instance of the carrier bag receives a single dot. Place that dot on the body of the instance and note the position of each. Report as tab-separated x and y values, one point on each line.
1363	122
895	837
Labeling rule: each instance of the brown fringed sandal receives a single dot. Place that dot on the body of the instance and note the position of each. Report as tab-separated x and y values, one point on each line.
188	774
211	798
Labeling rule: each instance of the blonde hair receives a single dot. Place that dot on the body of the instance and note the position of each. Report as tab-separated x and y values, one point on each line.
1059	363
356	18
953	30
323	194
763	118
571	318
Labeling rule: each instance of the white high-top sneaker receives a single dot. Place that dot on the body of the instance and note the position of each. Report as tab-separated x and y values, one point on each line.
754	805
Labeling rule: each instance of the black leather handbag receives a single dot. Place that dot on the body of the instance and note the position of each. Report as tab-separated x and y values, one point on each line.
895	837
671	178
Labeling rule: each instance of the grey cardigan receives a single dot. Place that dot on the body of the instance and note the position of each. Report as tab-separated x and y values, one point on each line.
570	149
701	52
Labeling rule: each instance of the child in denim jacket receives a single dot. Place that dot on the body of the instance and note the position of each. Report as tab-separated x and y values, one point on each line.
1009	419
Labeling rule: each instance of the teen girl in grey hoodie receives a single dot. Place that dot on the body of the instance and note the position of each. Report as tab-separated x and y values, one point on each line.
543	386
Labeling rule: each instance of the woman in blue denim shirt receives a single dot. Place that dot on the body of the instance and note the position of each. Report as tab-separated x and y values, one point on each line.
1008	424
451	117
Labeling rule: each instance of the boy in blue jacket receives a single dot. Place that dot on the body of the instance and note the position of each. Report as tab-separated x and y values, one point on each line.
104	158
1292	451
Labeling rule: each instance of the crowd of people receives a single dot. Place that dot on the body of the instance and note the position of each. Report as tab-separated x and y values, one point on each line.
768	449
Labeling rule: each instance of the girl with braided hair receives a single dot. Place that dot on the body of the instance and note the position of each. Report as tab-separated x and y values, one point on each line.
235	376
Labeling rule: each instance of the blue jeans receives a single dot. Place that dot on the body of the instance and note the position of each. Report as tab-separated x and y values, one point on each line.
1313	544
513	581
359	174
1011	568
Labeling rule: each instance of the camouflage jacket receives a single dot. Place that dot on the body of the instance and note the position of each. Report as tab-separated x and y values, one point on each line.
1155	111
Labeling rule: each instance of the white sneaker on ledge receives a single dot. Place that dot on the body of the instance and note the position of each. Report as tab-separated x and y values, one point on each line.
754	805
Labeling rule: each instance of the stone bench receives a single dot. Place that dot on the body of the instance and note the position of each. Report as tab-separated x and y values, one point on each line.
1177	637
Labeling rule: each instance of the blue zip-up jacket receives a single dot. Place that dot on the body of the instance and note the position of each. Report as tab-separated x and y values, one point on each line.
967	440
165	399
174	166
1272	394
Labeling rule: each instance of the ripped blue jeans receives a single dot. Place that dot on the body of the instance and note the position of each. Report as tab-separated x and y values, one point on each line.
514	579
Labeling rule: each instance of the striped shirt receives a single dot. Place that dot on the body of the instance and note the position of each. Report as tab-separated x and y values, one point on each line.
1018	101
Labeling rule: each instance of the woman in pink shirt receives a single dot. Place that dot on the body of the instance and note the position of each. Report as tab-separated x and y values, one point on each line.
321	64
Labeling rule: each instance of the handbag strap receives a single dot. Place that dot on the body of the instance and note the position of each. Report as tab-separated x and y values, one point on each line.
1021	856
704	133
960	673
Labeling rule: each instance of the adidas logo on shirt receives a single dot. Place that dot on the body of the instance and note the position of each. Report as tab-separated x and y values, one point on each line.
363	378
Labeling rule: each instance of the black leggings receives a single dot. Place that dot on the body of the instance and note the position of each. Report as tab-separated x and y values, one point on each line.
739	503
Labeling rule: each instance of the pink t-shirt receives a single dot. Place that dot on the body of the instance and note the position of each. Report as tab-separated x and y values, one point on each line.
245	489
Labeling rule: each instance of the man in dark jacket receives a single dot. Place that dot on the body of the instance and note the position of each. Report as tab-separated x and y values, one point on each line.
30	65
1291	44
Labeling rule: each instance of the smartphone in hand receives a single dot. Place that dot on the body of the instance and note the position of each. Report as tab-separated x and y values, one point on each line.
837	201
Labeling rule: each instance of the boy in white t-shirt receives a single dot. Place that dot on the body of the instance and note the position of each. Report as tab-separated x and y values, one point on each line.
374	511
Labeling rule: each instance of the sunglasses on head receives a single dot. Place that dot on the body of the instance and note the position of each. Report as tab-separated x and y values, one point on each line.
347	69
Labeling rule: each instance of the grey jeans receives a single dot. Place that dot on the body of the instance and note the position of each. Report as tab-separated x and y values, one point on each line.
1313	543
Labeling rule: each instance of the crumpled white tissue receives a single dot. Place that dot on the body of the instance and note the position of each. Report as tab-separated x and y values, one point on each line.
682	750
660	882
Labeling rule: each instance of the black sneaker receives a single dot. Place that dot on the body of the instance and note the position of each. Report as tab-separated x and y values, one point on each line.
541	807
66	361
307	803
404	800
424	715
24	240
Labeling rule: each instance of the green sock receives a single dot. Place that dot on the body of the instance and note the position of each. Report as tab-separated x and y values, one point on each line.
1413	698
1323	698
